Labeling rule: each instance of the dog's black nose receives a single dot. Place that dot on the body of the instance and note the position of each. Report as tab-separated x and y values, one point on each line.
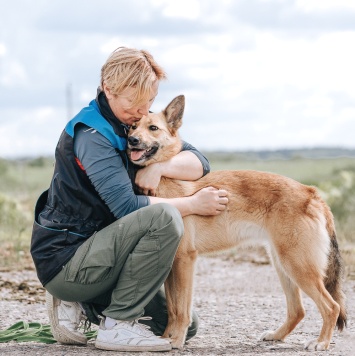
133	140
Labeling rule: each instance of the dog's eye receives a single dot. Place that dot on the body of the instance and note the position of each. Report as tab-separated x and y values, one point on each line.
133	127
153	128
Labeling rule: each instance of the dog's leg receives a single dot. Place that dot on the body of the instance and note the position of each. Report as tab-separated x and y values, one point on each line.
295	309
309	278
328	308
179	291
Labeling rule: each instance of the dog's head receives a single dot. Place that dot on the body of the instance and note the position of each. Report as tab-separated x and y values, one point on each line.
155	137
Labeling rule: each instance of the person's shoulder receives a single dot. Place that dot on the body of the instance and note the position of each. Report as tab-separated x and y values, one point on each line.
85	133
185	146
81	128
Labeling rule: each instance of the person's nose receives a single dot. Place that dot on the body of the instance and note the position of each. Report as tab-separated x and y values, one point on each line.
144	109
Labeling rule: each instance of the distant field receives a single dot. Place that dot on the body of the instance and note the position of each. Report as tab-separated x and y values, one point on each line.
307	171
22	181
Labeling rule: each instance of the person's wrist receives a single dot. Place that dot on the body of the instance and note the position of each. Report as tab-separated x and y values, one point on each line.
162	169
191	204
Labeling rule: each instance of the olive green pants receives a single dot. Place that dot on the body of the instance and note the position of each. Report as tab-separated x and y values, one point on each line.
121	268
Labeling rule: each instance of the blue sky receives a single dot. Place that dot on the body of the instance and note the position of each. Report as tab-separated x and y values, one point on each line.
257	74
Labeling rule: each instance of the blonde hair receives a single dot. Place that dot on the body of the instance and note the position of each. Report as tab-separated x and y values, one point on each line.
129	67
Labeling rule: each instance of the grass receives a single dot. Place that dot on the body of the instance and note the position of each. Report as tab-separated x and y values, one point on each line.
21	183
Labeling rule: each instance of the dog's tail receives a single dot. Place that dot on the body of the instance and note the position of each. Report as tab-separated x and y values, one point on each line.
334	276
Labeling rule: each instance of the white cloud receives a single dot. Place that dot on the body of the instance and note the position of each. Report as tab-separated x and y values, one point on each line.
188	9
318	106
86	95
2	49
35	134
13	75
316	5
111	44
256	73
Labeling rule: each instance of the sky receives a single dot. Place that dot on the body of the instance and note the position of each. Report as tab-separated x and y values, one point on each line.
256	74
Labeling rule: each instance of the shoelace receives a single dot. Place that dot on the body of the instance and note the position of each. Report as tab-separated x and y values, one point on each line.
85	324
67	312
142	327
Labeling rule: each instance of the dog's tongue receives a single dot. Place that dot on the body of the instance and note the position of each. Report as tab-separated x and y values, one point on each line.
136	155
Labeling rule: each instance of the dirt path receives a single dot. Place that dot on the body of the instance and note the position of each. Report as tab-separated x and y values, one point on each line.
236	302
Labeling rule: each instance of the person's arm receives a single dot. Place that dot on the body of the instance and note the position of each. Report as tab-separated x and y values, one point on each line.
106	171
207	201
203	160
189	164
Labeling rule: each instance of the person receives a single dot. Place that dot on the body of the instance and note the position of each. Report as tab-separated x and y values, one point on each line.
102	246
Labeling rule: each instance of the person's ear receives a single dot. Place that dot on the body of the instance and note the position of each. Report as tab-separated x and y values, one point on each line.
107	91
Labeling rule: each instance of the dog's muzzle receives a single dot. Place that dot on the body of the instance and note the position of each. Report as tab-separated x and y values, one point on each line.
133	141
139	152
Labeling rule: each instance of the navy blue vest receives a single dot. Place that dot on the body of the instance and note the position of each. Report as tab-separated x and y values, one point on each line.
71	210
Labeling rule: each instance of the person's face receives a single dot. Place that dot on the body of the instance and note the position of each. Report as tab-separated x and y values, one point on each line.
121	105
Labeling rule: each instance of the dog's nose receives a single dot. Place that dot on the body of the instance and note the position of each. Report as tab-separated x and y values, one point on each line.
133	141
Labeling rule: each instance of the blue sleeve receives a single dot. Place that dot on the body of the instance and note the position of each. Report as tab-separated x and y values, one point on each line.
106	171
204	161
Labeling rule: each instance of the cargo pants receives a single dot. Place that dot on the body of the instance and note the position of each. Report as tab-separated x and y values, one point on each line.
120	269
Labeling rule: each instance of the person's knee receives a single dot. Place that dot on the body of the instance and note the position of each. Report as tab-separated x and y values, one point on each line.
172	217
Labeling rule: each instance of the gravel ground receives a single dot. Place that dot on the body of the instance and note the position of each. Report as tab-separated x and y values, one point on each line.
236	300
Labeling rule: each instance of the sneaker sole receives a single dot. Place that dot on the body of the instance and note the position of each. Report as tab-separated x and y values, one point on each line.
60	333
134	348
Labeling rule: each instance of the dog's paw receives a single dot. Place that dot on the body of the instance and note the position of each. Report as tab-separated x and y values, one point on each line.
176	341
176	344
315	345
268	335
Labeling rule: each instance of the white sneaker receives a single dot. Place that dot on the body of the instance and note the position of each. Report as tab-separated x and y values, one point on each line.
129	336
65	318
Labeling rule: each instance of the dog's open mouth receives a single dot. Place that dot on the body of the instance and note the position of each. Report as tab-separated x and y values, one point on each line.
138	155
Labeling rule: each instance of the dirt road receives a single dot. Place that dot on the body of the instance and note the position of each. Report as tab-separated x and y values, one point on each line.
236	302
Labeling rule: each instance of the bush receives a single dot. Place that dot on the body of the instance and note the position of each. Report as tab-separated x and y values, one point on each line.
37	162
3	167
339	193
14	232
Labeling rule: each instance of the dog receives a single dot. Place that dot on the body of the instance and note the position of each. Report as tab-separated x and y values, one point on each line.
290	218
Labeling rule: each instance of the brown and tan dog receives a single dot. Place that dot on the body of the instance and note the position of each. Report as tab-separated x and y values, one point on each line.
291	219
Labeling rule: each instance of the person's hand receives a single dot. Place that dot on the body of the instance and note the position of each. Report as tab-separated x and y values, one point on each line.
148	178
209	201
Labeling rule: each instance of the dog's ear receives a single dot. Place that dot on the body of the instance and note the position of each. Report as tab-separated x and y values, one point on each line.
174	113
